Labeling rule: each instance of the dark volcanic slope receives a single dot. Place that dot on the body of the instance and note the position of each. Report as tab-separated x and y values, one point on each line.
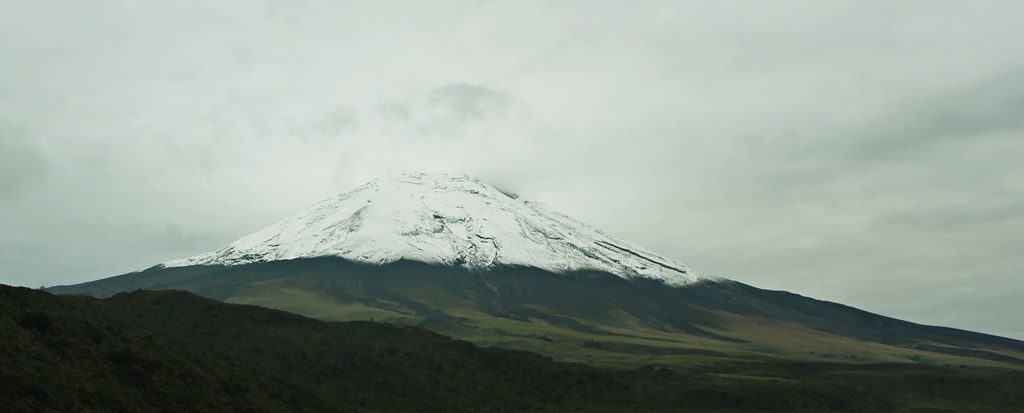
151	351
359	364
180	345
534	309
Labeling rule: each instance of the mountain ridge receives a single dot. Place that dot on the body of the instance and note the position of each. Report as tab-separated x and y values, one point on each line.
590	317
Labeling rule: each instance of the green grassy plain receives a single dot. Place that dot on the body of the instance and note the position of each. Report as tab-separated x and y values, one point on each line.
622	341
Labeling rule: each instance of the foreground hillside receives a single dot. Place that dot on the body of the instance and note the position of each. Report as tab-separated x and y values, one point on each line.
174	351
59	354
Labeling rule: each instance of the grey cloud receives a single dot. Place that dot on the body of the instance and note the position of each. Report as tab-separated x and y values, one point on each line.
450	110
394	110
333	124
951	149
956	216
470	102
916	128
22	163
973	113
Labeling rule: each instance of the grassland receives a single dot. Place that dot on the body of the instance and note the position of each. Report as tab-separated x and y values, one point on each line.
153	351
621	340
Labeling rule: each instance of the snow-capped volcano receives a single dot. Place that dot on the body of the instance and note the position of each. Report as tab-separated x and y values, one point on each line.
443	219
473	237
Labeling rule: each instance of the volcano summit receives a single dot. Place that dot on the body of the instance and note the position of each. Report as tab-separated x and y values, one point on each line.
444	219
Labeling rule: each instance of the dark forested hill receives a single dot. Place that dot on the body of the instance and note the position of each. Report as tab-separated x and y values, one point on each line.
174	351
58	354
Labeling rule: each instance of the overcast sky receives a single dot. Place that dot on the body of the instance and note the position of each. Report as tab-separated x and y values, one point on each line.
870	153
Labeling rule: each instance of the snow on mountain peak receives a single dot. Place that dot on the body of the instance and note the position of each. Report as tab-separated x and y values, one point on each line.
443	219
